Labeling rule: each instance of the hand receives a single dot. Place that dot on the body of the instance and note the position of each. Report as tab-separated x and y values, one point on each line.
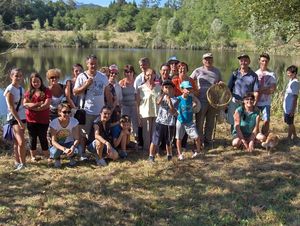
21	124
89	81
245	144
251	146
168	99
69	152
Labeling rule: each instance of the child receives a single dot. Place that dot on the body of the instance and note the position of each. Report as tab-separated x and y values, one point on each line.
37	103
121	135
102	146
165	121
290	101
185	123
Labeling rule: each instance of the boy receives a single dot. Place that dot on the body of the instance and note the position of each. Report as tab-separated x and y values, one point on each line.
165	121
121	135
102	147
290	101
185	123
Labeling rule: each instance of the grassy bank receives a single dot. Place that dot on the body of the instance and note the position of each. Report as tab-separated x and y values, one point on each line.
226	187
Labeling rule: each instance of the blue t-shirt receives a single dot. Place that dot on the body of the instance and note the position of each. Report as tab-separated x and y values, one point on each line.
116	131
185	109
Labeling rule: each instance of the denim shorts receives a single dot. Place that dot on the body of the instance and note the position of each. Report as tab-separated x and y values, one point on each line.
190	129
266	112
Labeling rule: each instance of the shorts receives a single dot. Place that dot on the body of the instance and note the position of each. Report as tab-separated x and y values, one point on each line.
92	148
15	122
87	127
266	112
163	133
288	119
189	128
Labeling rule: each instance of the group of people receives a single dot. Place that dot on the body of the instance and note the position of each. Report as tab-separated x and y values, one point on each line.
96	112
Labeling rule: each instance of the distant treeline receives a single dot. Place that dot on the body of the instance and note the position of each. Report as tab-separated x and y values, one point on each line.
192	24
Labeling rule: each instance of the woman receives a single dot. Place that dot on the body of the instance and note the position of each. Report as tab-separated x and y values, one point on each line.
147	107
246	124
37	102
64	136
129	104
16	116
71	98
57	90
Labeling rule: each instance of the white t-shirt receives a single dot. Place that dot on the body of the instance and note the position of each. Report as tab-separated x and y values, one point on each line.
292	89
94	99
64	134
16	98
265	79
139	80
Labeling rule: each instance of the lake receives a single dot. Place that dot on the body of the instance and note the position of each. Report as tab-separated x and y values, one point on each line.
40	60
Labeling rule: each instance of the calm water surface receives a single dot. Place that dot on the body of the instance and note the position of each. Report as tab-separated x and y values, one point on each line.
40	60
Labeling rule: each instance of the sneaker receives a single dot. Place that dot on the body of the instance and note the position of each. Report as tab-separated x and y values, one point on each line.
72	163
83	158
101	162
151	159
180	157
20	166
195	154
123	154
57	163
169	157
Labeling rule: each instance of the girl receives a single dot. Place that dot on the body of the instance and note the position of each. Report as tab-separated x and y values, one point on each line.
71	98
37	102
64	136
147	107
16	115
57	90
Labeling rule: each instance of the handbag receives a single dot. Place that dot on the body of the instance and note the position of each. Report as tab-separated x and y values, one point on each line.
8	133
80	114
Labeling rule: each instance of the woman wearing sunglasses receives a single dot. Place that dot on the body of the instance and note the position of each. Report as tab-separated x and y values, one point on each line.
246	124
64	136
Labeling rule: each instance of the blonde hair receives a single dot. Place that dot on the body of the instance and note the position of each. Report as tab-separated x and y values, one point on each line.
53	72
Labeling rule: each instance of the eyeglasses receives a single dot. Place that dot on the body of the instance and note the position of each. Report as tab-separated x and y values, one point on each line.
66	112
54	77
128	71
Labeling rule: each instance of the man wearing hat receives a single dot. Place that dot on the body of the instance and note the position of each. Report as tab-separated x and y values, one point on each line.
205	76
242	81
173	61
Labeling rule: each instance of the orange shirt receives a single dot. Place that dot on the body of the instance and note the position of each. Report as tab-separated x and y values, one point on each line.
177	81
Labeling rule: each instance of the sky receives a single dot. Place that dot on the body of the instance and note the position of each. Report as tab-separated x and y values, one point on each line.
106	2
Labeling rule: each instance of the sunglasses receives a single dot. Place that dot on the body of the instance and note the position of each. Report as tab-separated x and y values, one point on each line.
54	77
66	112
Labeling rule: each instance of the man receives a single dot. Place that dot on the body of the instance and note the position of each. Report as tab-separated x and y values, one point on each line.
164	73
173	61
242	81
205	77
144	64
90	86
267	86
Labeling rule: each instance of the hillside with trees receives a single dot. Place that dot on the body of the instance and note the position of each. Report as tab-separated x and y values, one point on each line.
189	24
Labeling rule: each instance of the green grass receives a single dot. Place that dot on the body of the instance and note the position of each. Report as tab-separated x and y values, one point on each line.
226	187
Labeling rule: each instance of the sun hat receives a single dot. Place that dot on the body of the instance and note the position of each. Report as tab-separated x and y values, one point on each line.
186	85
219	96
207	55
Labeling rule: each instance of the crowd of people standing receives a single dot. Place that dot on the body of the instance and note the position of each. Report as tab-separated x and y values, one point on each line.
94	111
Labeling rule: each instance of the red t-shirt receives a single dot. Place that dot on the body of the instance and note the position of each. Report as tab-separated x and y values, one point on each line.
177	81
38	116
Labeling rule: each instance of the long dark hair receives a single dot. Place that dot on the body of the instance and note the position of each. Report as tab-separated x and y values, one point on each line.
32	89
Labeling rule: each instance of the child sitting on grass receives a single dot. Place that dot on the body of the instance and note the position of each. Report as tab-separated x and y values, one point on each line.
185	123
290	101
121	135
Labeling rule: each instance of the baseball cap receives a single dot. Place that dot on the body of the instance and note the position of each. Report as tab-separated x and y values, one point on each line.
113	68
186	85
173	59
168	83
207	55
243	55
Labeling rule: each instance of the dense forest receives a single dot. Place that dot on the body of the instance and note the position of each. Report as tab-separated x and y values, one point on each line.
192	24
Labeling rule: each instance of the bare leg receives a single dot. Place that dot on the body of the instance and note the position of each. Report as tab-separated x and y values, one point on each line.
265	128
179	148
152	150
20	141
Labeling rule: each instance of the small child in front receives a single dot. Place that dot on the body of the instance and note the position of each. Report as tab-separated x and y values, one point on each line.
165	121
290	101
185	123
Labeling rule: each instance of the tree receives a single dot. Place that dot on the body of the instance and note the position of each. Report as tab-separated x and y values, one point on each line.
36	25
